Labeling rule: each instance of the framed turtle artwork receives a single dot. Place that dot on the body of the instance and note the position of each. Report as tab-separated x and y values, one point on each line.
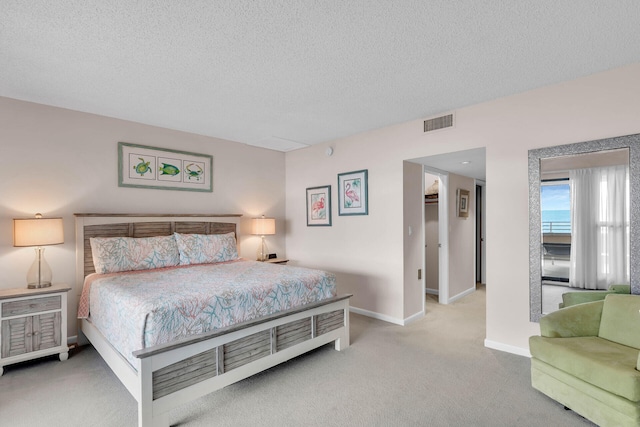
142	166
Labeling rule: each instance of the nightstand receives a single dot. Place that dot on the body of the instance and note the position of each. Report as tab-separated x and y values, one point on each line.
277	260
33	324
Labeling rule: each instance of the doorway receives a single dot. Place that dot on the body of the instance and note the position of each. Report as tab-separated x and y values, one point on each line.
481	277
462	238
436	225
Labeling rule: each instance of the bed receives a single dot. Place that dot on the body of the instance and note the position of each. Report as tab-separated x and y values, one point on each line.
163	375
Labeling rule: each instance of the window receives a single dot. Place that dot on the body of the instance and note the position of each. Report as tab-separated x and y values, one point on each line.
555	205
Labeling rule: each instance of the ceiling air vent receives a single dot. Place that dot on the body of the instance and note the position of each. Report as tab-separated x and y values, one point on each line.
438	123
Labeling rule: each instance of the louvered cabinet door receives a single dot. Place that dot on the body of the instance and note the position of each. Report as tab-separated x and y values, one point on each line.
17	336
45	331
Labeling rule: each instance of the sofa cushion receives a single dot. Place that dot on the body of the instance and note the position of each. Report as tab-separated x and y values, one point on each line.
597	361
620	321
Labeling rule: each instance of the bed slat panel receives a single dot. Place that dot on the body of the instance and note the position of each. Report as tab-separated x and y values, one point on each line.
185	373
245	350
329	321
221	228
293	333
151	229
192	227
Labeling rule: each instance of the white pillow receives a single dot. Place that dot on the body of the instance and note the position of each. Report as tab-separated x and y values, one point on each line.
206	248
114	254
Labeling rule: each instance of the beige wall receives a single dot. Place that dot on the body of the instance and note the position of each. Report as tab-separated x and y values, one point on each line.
461	238
367	252
413	246
58	162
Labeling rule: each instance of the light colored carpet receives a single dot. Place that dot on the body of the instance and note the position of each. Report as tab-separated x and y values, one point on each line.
435	372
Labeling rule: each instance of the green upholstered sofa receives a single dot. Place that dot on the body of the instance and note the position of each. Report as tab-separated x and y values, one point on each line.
587	359
573	298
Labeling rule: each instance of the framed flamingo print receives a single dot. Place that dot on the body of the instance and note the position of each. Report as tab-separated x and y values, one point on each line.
319	206
353	198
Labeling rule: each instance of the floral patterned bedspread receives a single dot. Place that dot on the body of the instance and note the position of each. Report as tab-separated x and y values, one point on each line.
140	309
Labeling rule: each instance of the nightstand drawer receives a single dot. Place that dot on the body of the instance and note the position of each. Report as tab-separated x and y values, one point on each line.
17	308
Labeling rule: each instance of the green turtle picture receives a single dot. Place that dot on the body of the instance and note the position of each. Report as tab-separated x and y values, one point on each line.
167	169
142	167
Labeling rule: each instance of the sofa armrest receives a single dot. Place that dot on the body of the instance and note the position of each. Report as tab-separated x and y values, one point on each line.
620	289
574	298
582	320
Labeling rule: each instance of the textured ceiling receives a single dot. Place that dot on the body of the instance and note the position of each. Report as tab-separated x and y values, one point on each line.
286	74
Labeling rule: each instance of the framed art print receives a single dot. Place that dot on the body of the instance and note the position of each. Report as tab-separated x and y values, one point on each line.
352	193
463	203
141	166
319	206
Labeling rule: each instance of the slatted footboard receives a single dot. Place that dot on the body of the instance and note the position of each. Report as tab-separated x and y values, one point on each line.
177	373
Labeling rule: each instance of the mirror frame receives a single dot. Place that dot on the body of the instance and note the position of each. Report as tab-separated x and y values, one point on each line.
632	142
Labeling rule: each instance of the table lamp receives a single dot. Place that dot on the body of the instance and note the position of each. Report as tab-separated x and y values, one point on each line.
262	227
38	232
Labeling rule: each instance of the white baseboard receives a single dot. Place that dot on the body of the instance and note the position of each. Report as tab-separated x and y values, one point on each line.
431	291
72	340
378	316
461	295
414	318
384	317
507	348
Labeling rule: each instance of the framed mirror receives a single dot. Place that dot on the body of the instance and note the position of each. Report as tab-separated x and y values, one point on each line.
555	266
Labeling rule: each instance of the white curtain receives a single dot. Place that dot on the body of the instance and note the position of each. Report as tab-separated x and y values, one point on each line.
599	227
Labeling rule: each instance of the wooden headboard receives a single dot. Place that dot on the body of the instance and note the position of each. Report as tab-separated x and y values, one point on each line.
141	225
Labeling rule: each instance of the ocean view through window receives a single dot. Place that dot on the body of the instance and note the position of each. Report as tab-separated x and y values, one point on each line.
555	203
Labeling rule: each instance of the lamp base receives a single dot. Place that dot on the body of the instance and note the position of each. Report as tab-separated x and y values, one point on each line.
39	275
263	251
38	285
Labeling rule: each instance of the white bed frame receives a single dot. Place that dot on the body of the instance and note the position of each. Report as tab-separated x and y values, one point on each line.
181	371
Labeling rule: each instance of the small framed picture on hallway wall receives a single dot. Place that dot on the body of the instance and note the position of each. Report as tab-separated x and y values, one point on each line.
463	203
353	198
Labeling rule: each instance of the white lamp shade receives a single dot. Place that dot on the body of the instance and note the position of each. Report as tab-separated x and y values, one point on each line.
263	226
37	232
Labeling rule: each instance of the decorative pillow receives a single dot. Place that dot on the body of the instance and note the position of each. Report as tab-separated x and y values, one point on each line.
114	254
206	248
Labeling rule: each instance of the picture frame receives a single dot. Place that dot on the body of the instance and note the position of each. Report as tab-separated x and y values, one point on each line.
462	200
143	166
353	195
319	206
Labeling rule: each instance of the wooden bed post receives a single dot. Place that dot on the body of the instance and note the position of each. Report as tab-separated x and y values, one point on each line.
148	414
145	401
344	340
